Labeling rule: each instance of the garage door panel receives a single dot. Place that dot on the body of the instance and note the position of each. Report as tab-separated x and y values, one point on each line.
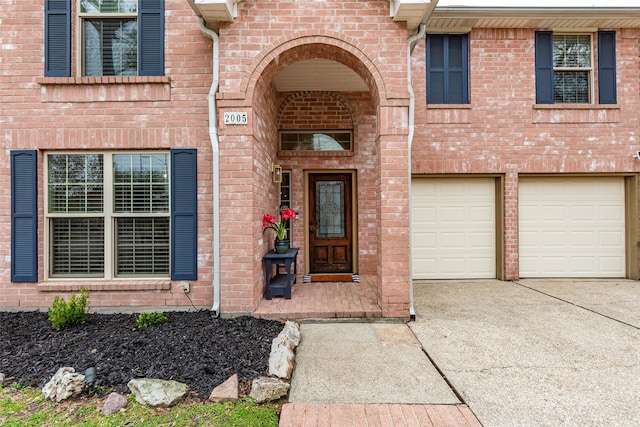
572	227
583	213
611	265
553	239
554	214
452	241
463	226
454	214
612	239
480	240
582	239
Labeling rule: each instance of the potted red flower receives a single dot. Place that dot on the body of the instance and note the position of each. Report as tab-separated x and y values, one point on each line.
280	227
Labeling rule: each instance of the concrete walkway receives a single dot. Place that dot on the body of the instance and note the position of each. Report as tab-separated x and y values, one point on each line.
537	352
530	353
368	374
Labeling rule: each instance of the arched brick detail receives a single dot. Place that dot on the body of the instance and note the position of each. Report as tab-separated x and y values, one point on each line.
336	47
331	110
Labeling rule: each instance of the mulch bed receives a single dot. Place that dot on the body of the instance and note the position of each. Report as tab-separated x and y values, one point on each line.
192	347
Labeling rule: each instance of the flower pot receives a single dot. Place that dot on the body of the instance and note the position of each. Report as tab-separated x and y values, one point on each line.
281	246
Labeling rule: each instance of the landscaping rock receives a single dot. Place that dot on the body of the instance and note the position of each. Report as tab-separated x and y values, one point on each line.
282	358
2	378
226	392
65	383
292	330
158	393
265	389
113	404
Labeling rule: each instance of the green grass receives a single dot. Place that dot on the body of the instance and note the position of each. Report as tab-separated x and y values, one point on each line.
27	407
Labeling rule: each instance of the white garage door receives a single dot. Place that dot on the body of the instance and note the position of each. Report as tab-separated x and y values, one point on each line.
572	227
453	228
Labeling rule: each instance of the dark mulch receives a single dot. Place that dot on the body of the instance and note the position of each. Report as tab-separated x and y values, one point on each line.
194	348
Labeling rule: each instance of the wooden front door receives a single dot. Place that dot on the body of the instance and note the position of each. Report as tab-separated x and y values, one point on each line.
330	223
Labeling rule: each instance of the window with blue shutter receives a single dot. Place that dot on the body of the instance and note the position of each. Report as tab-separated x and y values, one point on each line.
57	35
447	69
607	67
184	214
119	38
24	216
565	72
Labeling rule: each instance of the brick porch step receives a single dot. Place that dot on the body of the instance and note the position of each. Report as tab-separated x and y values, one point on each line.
383	415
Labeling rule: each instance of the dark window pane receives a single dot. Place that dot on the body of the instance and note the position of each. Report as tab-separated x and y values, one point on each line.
436	51
77	247
571	86
455	51
110	47
142	246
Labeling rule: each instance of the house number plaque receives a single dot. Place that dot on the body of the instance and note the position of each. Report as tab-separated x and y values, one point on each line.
235	118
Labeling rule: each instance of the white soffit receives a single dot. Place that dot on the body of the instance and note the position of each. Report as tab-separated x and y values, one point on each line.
414	12
215	10
319	74
547	14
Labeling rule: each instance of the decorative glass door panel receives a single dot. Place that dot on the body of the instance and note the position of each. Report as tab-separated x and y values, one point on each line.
330	223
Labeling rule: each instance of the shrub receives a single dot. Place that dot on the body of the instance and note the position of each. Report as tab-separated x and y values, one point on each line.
63	314
150	319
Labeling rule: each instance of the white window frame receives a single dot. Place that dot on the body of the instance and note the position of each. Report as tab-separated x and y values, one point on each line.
590	70
108	214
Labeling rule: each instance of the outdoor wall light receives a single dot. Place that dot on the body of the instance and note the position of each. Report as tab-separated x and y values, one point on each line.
277	173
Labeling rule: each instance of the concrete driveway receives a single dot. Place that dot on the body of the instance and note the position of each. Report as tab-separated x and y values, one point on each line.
536	352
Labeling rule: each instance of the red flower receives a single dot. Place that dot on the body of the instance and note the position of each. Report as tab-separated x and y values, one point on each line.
288	214
267	220
278	225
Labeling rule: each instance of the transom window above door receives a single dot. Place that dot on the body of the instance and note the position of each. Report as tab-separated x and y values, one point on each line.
316	141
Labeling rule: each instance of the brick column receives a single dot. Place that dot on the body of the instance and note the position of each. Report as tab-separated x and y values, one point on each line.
511	243
393	212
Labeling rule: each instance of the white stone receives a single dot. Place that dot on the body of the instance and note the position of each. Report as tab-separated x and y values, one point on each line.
265	389
281	358
65	383
158	393
292	330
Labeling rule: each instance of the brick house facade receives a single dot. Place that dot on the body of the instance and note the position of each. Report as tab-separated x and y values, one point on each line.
472	149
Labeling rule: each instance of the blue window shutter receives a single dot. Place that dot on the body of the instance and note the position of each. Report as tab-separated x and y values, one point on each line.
607	67
458	69
184	214
151	37
436	86
448	69
24	216
544	67
57	38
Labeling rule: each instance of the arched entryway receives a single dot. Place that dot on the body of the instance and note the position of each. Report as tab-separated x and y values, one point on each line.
320	111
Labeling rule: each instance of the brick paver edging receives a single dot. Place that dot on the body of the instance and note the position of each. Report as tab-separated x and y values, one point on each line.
383	415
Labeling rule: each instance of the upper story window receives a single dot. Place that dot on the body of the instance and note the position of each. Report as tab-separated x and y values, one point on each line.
565	68
109	37
447	69
116	38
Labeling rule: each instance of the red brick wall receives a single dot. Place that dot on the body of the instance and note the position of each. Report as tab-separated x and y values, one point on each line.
503	131
104	114
267	37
